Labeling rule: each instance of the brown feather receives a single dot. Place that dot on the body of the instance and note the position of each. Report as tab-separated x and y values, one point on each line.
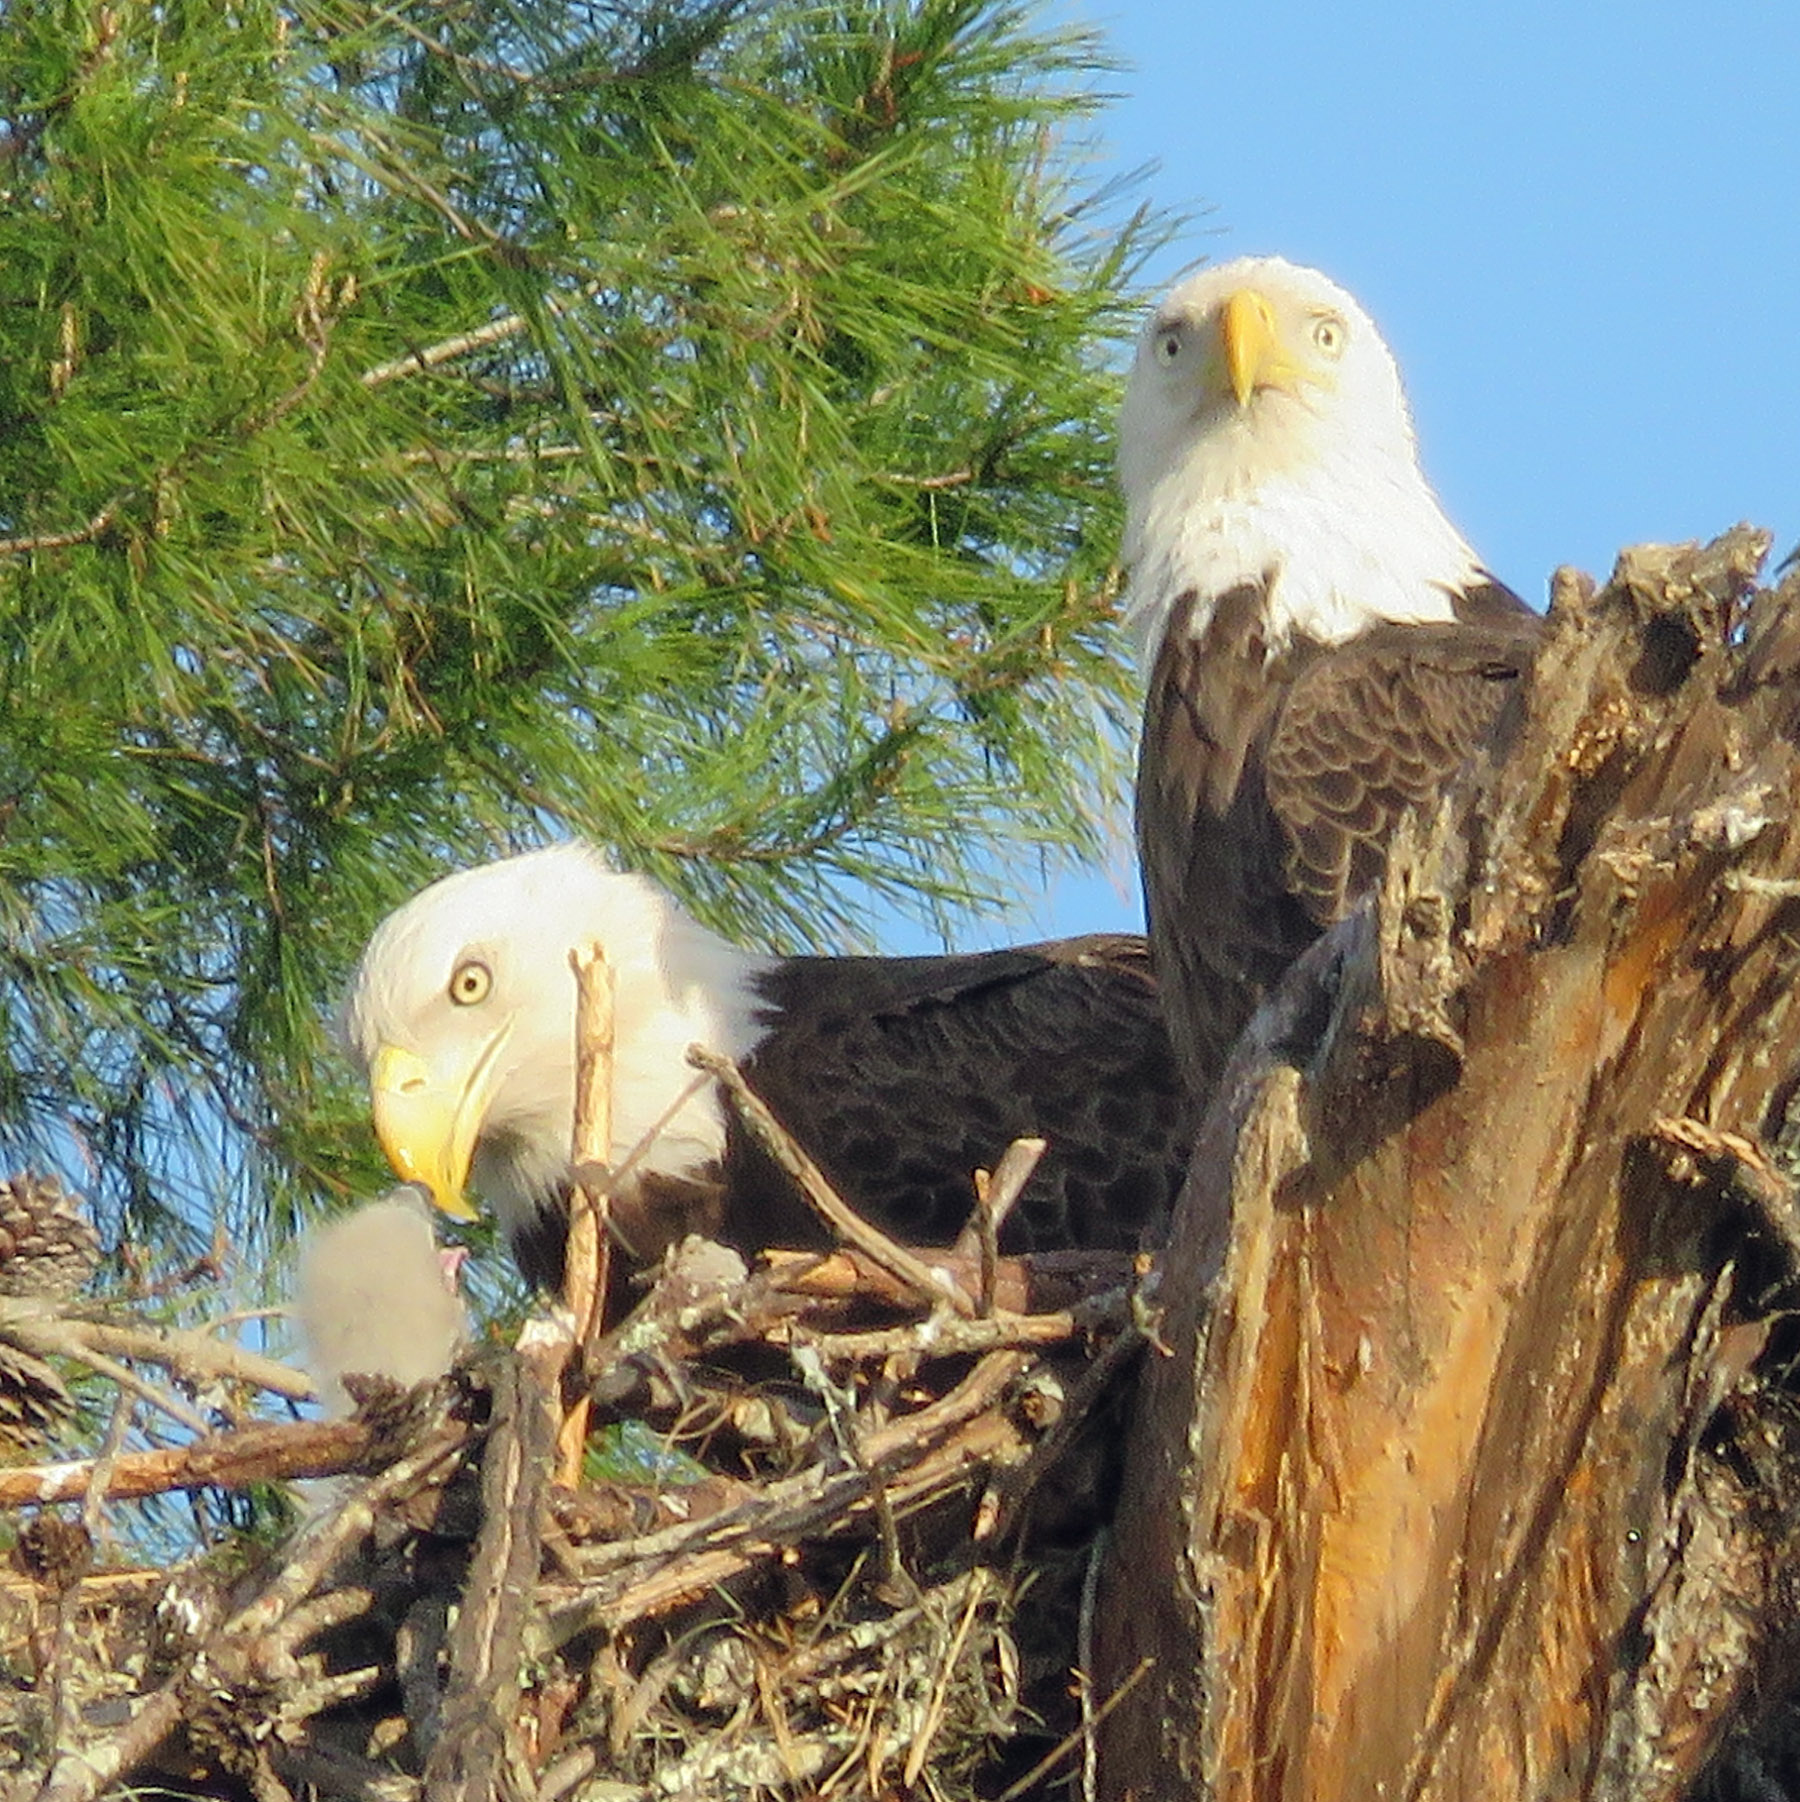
1269	786
903	1075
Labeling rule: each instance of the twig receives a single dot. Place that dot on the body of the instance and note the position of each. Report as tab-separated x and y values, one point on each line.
587	1258
996	1194
1067	1744
59	541
496	331
93	1504
336	1773
63	1692
321	1544
1035	1283
416	362
1084	1662
1055	1442
80	1776
979	1578
186	1354
948	1441
920	1278
252	1455
130	1383
940	1338
335	1608
840	1415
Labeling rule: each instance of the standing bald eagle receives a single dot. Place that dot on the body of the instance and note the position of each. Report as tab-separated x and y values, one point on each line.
899	1075
1324	650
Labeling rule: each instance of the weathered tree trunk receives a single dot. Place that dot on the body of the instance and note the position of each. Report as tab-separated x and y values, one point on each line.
1463	1474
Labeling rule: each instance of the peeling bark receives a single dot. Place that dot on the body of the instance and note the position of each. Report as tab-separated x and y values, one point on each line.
1450	1474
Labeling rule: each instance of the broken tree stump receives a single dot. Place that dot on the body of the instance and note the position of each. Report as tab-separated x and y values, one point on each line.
1468	1468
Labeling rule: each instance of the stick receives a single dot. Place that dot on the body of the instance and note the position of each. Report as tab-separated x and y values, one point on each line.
943	1339
187	1354
263	1454
1027	1785
918	1276
940	1690
996	1195
932	1451
478	1752
1032	1283
586	1265
1078	1404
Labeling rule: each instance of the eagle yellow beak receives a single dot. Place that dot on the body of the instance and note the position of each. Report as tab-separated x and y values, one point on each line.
1254	355
428	1115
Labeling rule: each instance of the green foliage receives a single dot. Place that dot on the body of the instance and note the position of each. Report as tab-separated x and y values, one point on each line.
426	428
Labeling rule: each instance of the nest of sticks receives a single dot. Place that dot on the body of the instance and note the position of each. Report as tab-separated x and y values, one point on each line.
842	1546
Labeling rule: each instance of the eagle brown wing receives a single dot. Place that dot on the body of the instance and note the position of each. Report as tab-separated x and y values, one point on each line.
1366	732
1270	783
902	1076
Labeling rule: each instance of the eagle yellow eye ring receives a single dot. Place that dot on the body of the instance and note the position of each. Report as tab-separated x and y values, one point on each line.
1328	333
471	983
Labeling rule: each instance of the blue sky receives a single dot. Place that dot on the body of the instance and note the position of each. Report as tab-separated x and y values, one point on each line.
1577	225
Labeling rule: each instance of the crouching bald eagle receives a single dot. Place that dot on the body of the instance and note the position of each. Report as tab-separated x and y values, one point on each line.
1323	649
899	1075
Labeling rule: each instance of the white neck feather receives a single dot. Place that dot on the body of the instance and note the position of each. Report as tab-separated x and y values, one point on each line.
1380	549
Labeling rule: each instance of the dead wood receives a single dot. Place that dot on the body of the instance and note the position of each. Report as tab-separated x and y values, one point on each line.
587	1260
477	1756
1467	1468
925	1280
274	1453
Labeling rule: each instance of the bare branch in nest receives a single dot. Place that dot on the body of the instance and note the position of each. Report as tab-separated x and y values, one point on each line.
477	1755
944	1338
190	1357
587	1259
921	1279
927	1453
997	1193
932	1407
284	1453
1029	1283
246	1647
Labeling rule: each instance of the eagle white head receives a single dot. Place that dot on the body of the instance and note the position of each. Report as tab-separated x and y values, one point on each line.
1265	439
461	1014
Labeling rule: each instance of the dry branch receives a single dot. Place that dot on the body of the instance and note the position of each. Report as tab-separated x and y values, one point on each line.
477	1756
271	1453
587	1259
246	1649
926	1281
189	1356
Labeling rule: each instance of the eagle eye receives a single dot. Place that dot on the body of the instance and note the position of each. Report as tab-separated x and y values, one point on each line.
470	983
1328	334
1168	345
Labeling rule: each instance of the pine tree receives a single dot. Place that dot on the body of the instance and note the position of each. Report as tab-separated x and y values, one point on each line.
426	429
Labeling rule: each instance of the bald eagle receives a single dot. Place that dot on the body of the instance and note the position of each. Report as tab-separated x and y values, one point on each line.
1323	649
899	1075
